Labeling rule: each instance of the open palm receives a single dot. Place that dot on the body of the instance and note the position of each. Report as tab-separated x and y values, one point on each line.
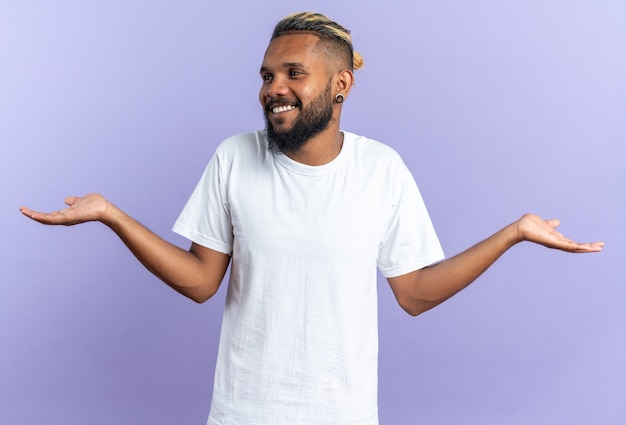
92	207
535	229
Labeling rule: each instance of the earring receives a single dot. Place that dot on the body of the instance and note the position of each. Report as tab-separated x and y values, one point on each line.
339	98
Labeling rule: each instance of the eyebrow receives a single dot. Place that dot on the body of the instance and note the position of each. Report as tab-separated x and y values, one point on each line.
285	65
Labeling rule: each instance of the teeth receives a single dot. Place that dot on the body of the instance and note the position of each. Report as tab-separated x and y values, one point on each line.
279	109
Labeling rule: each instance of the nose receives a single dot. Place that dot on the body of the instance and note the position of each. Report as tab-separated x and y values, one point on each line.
274	88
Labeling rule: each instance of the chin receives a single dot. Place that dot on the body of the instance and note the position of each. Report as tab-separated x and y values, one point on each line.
281	124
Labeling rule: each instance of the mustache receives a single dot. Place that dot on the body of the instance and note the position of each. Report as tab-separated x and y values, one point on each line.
273	103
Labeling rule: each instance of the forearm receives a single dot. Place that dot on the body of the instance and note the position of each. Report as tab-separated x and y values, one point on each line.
178	268
426	288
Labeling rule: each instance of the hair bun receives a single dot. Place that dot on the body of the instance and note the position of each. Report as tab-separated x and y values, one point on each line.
357	60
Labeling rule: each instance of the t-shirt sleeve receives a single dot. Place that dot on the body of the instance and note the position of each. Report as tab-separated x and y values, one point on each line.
410	242
205	219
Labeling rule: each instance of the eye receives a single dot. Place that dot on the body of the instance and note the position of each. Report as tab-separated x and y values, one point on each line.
267	77
294	73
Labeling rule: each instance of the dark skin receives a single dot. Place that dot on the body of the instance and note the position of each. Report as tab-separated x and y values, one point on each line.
294	68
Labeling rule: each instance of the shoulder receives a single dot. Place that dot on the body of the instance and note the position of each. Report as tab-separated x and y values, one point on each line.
366	149
243	142
242	148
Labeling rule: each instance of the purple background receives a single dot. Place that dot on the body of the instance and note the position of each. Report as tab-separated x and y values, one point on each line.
498	108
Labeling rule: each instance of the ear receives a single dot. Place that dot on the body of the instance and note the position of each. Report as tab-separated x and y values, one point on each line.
344	80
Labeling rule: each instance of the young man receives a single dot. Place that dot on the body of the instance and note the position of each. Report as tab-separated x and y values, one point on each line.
306	213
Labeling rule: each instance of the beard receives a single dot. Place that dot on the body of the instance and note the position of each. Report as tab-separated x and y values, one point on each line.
312	120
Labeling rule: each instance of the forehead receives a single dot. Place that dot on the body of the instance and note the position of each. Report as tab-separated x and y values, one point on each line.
292	48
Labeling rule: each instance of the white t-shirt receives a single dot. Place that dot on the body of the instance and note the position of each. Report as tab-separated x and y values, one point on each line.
299	339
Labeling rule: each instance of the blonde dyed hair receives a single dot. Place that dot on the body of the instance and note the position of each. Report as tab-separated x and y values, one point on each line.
331	34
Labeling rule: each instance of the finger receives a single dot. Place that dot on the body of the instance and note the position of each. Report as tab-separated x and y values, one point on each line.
586	247
55	217
43	217
38	214
594	246
71	200
554	222
26	211
35	215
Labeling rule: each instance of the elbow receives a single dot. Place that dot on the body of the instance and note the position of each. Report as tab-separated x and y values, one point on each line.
413	294
198	294
201	296
198	299
412	310
414	307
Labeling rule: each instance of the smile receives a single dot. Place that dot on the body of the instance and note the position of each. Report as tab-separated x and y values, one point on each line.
279	109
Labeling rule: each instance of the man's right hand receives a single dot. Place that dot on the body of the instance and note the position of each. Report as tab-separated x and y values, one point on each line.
92	207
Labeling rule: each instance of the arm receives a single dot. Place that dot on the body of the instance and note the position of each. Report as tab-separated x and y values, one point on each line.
196	273
426	288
